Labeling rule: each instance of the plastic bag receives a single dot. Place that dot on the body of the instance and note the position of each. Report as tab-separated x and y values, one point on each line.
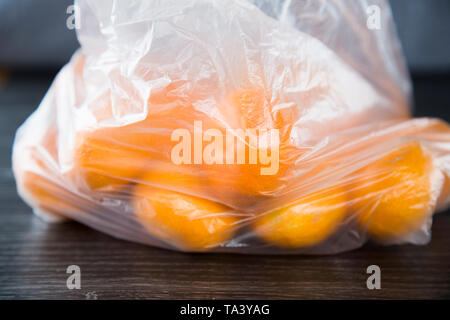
235	126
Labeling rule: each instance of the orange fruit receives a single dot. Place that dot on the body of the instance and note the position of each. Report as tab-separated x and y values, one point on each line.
396	194
50	200
261	149
34	178
107	159
306	222
185	221
189	180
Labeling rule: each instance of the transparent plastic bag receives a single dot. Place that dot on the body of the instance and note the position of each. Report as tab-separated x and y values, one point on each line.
235	126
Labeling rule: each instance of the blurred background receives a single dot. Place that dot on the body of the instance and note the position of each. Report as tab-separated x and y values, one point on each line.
35	43
33	34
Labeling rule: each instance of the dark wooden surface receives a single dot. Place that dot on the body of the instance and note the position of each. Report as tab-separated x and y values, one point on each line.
34	255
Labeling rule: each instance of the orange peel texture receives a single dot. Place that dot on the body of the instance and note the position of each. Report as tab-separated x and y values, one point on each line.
184	221
306	222
395	195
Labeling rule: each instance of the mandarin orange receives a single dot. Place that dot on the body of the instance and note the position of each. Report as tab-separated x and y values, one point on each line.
397	193
183	220
306	222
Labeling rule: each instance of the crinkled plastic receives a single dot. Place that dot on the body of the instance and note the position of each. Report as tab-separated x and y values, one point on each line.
236	126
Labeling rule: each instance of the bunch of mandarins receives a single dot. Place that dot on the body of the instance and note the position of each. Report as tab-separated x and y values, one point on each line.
197	207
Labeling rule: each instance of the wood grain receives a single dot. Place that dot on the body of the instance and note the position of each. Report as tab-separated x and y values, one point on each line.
34	255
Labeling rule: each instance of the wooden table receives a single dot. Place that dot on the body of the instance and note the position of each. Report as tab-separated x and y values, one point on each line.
34	255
